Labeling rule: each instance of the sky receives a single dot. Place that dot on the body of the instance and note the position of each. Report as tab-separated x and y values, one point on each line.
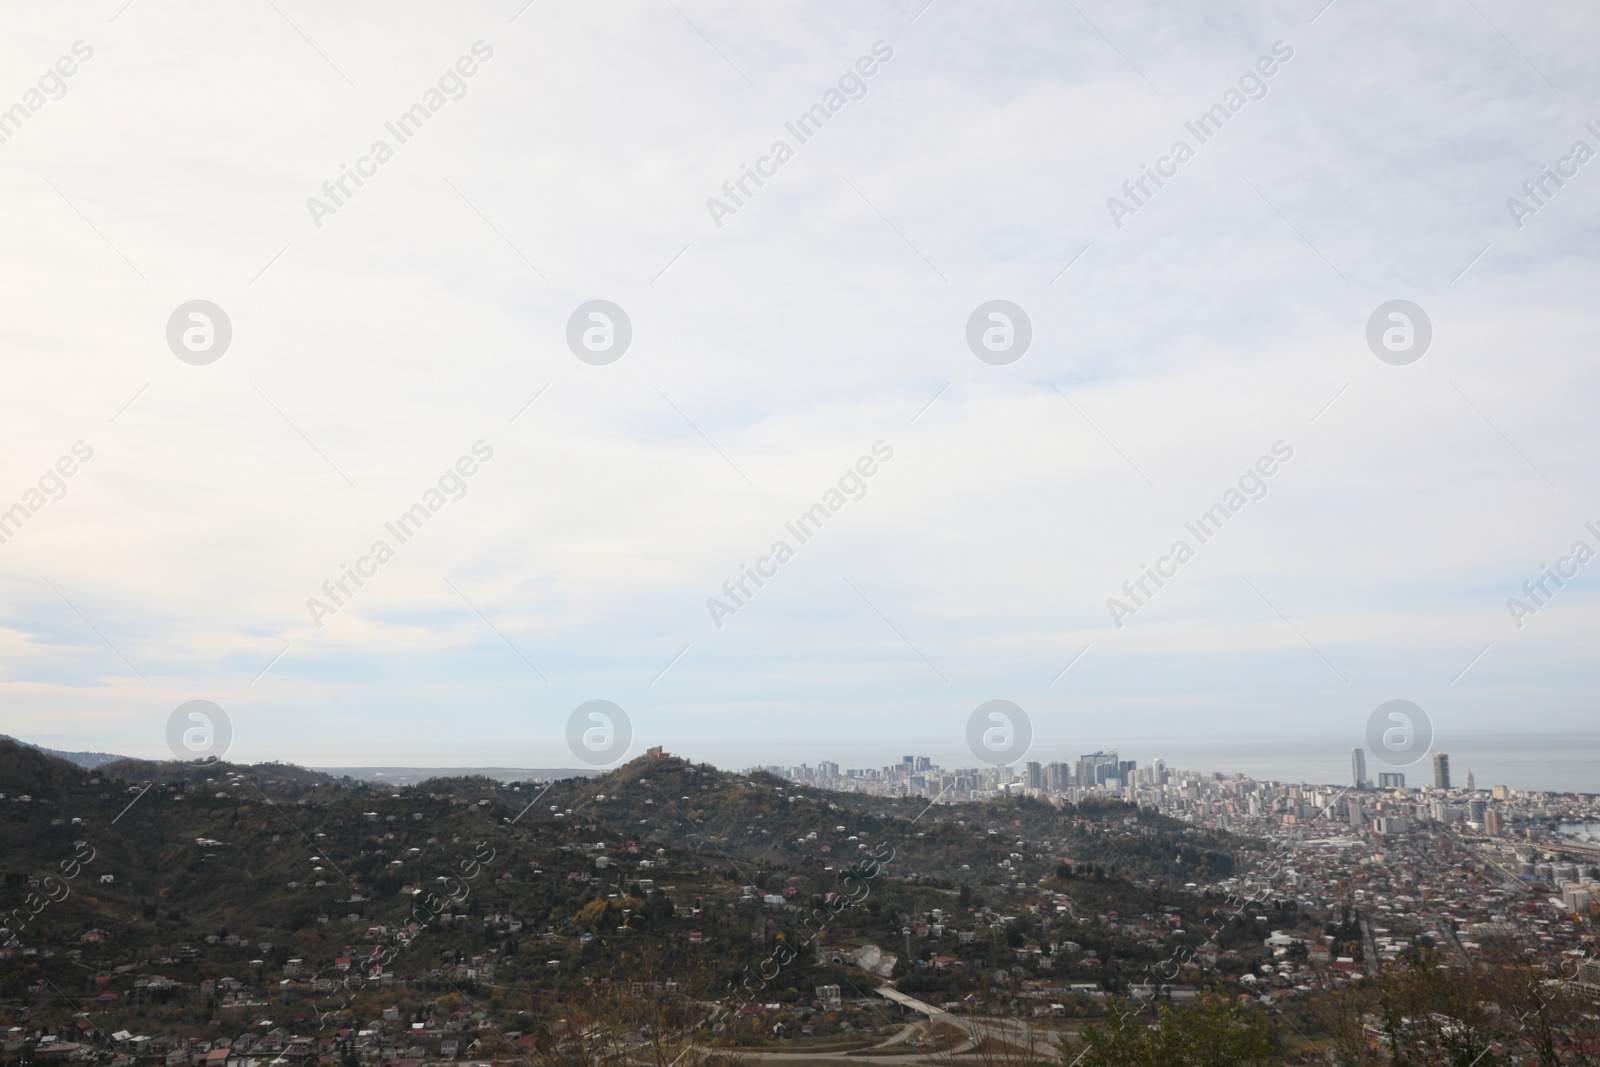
777	336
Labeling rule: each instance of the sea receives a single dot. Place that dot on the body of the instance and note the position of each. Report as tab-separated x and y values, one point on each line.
1561	763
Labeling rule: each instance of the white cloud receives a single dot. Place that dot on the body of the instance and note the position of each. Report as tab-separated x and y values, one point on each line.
820	318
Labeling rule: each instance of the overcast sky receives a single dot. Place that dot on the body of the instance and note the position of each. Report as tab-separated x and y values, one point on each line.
379	333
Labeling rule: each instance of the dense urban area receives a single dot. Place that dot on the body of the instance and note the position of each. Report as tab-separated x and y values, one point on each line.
1094	912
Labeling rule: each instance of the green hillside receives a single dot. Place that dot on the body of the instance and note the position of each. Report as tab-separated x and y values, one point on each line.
269	891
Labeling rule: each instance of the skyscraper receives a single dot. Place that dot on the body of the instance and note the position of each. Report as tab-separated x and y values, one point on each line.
1358	768
1472	783
1441	770
1090	768
1057	776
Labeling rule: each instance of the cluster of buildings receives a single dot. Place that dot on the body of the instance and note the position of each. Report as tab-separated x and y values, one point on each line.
392	1039
1092	774
1387	806
389	1040
1434	866
918	776
1442	888
1523	843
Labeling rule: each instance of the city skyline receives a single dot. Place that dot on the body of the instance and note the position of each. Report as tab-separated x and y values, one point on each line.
1095	773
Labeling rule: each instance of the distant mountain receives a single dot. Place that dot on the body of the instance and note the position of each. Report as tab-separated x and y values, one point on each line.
375	775
91	760
27	769
287	775
414	775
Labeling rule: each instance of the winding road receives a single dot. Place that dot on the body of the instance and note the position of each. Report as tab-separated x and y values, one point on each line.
1014	1032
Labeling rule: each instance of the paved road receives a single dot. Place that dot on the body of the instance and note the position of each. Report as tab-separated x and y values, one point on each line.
1013	1031
933	1013
1369	949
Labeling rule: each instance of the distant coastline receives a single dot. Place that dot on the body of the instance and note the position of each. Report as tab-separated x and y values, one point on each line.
1551	763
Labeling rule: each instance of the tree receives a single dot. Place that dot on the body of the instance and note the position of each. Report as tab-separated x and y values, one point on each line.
1432	1014
1502	1006
1210	1033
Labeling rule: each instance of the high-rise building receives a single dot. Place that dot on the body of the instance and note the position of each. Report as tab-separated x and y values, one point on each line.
1089	768
1035	776
1358	768
1441	770
1472	783
1058	777
1493	824
1391	780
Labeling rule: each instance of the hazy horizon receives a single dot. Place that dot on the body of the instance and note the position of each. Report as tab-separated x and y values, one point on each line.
1550	763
